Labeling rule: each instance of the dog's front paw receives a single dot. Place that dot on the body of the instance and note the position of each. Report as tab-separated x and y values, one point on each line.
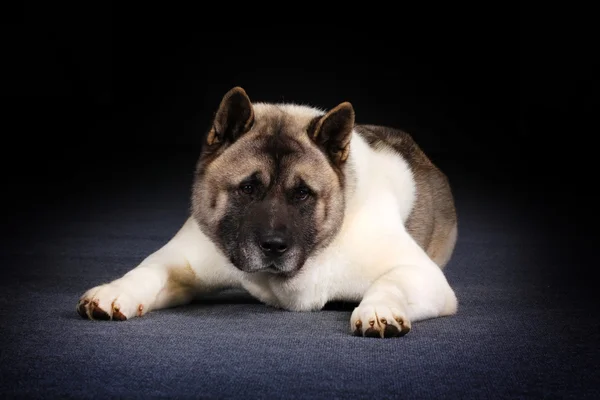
109	302
379	321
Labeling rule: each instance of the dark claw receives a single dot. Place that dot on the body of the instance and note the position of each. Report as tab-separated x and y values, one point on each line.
391	331
405	330
371	332
118	316
81	309
100	314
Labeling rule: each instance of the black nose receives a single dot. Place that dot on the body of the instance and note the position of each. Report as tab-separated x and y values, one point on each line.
273	244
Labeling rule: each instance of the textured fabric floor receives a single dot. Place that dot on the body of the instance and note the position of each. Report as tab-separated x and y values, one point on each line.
524	329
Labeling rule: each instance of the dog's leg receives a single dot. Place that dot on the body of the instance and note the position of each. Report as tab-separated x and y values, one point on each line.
185	266
414	289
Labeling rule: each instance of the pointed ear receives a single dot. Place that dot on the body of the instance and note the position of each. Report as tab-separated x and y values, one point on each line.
234	117
333	131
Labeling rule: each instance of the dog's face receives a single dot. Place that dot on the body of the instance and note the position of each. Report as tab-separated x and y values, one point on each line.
269	185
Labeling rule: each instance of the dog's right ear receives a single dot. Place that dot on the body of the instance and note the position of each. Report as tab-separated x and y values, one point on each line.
234	117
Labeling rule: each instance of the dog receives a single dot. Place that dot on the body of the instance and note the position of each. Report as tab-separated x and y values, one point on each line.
300	207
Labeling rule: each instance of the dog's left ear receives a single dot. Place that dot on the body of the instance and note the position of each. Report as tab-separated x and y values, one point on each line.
234	117
333	131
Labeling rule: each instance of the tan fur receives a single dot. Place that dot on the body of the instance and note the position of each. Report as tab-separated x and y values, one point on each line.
246	156
222	114
180	280
432	222
341	153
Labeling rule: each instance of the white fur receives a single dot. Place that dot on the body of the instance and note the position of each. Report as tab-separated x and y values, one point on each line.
373	260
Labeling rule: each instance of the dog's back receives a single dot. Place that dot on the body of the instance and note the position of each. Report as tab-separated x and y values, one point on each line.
432	221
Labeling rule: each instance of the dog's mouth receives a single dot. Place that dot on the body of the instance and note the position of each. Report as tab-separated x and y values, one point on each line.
250	260
278	269
273	268
278	272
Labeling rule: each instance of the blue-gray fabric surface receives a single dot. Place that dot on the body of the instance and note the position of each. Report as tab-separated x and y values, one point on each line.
525	326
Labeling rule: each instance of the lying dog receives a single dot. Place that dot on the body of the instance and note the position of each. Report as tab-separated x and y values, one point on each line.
300	207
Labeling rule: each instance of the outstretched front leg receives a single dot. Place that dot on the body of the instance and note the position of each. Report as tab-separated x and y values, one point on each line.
414	289
173	275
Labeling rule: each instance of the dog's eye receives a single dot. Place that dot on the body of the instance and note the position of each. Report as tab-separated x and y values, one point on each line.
301	194
247	188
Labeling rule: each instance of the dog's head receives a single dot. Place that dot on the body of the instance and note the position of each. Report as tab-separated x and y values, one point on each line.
269	185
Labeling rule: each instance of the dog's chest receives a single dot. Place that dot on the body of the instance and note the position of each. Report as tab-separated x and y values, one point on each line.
327	278
307	291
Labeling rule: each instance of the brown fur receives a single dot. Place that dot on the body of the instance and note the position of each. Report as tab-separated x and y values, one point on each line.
180	280
274	145
432	222
340	116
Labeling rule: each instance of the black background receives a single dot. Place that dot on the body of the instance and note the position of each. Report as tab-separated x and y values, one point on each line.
448	75
504	94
